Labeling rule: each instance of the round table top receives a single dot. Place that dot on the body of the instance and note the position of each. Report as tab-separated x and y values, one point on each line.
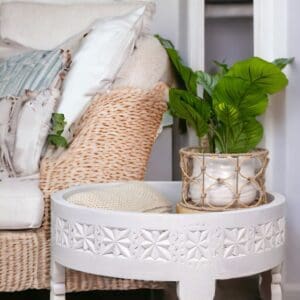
162	247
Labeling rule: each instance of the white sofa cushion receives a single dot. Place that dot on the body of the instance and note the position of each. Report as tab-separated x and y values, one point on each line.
58	22
98	60
21	203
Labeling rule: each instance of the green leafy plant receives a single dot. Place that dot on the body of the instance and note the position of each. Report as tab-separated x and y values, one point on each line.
55	138
232	99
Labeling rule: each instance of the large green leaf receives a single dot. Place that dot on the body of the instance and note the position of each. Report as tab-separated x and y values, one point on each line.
235	99
187	75
193	109
226	113
240	137
207	81
281	63
260	73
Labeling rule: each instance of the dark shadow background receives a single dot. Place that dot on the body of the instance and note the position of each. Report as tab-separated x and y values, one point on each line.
237	289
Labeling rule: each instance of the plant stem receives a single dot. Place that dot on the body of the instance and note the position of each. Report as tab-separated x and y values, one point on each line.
219	138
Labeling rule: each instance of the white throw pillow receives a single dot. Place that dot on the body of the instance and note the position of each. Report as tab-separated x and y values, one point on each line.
45	26
148	64
21	203
9	113
131	196
100	57
32	130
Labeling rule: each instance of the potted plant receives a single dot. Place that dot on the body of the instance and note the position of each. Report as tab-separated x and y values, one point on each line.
229	171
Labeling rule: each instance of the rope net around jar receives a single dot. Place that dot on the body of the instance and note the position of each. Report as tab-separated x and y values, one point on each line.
216	182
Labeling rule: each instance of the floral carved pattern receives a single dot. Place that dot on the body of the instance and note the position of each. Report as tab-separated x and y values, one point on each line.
186	245
279	232
115	242
62	233
269	235
156	245
235	242
197	245
83	237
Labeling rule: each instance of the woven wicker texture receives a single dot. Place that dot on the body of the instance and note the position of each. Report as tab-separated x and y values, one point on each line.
216	182
22	253
113	141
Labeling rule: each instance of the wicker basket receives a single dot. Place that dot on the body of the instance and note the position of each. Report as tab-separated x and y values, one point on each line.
216	182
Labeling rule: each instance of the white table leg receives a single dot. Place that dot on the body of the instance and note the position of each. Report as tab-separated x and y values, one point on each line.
202	288
58	290
276	289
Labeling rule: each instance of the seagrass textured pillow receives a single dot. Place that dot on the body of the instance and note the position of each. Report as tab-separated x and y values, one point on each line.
112	142
132	196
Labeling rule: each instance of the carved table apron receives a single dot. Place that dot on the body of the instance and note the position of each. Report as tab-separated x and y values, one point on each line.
193	250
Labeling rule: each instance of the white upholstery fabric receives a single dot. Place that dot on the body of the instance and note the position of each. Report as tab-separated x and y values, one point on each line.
132	196
21	203
148	64
57	22
98	60
11	49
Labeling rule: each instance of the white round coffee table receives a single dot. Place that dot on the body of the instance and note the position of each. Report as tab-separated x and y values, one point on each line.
193	250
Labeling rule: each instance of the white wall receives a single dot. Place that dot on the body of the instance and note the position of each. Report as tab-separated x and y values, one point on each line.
277	33
292	175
